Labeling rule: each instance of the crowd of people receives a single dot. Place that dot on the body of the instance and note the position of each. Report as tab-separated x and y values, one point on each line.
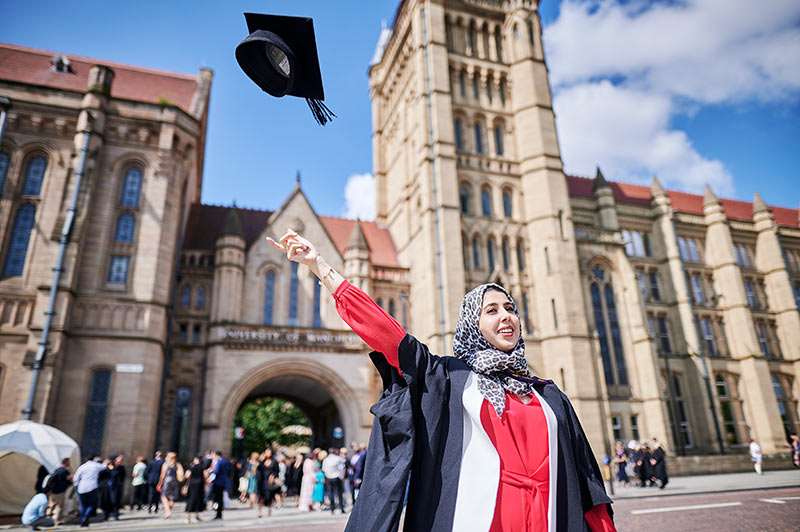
643	463
262	480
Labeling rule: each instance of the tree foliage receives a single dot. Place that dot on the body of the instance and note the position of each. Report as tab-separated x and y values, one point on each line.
263	421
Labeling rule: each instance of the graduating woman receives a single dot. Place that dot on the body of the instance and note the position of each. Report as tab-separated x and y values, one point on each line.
482	444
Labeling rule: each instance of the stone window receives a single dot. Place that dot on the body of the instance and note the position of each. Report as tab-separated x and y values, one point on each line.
478	137
18	243
608	330
520	256
459	134
294	283
616	426
5	162
392	308
200	298
472	39
462	84
689	249
269	297
317	303
186	296
506	266
637	243
486	202
498	140
464	250
489	82
498	43
709	341
502	90
118	270
526	315
131	187
744	255
476	253
787	405
126	224
34	175
476	82
635	426
94	424
197	331
679	405
507	203
730	407
490	252
797	293
659	329
464	197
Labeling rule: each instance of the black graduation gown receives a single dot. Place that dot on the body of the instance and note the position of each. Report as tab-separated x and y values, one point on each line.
418	431
659	469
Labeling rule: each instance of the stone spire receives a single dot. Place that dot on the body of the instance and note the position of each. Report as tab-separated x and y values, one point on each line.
357	239
758	204
710	198
656	189
232	224
600	180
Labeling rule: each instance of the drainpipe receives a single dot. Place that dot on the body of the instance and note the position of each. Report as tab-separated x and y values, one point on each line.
429	99
64	240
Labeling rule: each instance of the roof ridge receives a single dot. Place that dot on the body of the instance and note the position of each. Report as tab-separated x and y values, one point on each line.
223	206
332	217
104	62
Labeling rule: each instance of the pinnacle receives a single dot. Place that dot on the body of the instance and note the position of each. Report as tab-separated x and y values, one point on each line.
656	189
232	224
758	204
357	239
599	180
710	197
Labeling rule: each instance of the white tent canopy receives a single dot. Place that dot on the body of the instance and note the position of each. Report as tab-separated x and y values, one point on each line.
24	445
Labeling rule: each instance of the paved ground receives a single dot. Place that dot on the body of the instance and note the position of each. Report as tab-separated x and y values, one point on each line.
734	502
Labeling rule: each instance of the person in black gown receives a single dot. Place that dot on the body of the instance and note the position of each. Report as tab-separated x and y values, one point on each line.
197	481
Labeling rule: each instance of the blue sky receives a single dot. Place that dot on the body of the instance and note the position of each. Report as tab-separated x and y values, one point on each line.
694	91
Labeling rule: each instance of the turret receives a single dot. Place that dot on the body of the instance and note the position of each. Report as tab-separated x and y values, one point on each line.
606	206
229	269
357	266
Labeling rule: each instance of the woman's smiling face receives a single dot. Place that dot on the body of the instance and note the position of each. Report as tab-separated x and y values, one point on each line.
498	322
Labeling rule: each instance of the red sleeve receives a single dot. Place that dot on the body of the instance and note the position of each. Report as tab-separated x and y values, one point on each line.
369	321
598	519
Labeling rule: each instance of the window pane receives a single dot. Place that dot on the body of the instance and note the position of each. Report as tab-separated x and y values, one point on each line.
683	249
294	283
505	255
611	309
269	297
96	408
20	235
602	333
761	332
520	256
490	253
186	296
506	204
476	254
392	308
131	188
459	134
126	223
697	290
663	335
708	336
5	162
118	270
478	139
751	294
486	202
642	285
693	255
463	193
200	300
498	139
655	292
34	176
317	302
526	315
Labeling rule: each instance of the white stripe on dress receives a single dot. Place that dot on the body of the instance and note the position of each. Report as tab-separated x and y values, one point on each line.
552	448
479	476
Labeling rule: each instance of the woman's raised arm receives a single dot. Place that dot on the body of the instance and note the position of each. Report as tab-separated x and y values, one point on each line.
370	322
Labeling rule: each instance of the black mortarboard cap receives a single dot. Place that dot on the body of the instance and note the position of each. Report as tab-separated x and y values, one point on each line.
280	56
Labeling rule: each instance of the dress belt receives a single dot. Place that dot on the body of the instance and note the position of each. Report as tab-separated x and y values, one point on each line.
537	490
522	481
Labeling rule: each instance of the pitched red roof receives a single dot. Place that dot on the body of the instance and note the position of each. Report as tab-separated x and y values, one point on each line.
206	221
681	201
31	66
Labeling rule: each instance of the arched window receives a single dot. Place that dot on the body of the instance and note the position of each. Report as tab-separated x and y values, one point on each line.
507	203
498	42
125	226
465	250
489	83
490	253
186	296
520	256
486	202
34	175
478	137
476	85
200	298
118	269
20	235
269	297
505	255
459	134
317	303
498	140
463	193
608	330
462	84
472	41
94	424
392	308
531	38
131	187
476	253
294	283
502	91
5	162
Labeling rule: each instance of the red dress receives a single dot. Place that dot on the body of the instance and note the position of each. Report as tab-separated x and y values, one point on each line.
520	436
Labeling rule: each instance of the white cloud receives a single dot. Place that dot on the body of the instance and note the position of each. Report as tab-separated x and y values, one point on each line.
359	196
664	58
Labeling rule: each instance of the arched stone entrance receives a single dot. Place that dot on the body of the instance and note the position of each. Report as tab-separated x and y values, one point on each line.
324	398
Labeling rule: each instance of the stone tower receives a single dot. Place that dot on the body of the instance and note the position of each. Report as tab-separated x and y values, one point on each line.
470	182
356	259
229	269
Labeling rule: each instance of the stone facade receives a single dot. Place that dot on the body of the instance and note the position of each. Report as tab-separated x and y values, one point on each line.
618	285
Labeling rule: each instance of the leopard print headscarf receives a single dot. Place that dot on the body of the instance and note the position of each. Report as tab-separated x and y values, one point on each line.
492	365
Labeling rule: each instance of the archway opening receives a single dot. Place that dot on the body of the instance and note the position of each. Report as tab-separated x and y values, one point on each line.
287	411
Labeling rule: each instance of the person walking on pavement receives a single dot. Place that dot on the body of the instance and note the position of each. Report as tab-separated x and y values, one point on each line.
86	485
60	480
309	479
755	456
794	448
220	481
331	466
266	480
139	484
169	482
116	484
621	459
197	481
658	464
152	474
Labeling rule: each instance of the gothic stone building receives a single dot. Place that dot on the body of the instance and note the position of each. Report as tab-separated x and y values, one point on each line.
660	313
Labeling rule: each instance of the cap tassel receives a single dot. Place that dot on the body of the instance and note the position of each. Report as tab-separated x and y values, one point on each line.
321	113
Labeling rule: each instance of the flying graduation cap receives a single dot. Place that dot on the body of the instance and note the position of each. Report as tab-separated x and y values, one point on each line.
280	56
